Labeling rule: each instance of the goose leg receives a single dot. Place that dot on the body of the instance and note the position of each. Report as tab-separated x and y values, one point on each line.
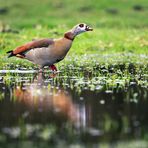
53	68
40	70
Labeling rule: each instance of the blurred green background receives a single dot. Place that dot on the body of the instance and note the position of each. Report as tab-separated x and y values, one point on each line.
99	13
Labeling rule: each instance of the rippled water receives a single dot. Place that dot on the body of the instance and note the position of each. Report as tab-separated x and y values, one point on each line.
70	111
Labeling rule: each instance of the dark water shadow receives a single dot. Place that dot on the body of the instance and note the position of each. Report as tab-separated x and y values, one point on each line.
42	109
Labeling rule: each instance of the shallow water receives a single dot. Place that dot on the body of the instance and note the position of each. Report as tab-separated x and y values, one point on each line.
71	111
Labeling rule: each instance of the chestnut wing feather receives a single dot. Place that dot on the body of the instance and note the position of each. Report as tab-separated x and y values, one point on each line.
33	44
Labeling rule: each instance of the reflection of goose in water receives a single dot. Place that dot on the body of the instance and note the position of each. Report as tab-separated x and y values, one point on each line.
46	98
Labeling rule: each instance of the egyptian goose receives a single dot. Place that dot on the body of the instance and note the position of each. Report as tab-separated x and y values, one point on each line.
47	52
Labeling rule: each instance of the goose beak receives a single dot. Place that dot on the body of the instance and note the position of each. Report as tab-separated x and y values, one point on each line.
88	28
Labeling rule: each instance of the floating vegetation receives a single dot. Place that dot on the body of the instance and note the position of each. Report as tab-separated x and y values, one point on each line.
89	73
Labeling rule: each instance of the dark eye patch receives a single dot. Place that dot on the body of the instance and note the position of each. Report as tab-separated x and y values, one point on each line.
81	25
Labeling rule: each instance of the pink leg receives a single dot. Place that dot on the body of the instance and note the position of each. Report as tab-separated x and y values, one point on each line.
53	68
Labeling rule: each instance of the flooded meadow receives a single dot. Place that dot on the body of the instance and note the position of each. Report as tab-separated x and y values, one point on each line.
80	106
99	96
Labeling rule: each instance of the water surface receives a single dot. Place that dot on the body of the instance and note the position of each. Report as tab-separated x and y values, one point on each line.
51	110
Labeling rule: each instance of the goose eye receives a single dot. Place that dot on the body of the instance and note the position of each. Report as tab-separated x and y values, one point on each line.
81	25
